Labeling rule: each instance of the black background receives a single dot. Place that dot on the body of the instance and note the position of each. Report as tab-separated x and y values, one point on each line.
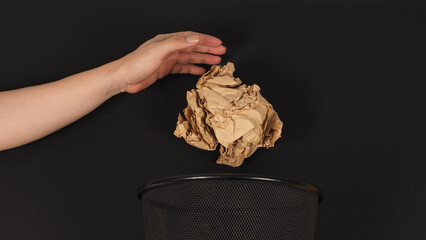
346	78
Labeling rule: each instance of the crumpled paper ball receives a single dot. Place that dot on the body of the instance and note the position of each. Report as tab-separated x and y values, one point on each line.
223	111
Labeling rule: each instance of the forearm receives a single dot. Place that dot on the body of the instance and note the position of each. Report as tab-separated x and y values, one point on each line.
31	113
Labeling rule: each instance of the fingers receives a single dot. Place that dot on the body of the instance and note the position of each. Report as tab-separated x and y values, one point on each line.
205	39
193	57
175	43
188	68
189	42
220	50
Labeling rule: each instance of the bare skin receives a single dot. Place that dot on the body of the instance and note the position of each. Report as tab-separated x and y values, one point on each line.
30	113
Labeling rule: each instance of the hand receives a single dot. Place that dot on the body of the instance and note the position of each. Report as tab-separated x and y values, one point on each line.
165	54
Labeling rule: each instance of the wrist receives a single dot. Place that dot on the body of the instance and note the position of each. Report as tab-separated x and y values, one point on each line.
113	78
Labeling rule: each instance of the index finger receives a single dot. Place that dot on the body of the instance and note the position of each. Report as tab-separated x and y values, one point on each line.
205	39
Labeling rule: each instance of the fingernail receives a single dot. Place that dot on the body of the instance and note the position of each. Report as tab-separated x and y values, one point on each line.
193	39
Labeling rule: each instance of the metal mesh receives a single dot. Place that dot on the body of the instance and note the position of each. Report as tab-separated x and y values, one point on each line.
221	209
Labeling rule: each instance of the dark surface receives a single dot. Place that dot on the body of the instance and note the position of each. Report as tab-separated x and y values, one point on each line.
347	79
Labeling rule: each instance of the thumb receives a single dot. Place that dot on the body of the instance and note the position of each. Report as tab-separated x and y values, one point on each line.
176	43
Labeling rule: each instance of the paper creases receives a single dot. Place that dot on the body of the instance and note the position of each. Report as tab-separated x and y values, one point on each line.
223	111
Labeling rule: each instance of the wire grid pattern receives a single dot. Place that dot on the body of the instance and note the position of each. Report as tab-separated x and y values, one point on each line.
237	209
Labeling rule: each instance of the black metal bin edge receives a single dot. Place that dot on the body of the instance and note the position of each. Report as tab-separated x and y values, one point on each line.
239	176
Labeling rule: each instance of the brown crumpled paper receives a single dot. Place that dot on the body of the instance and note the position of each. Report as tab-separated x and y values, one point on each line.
223	111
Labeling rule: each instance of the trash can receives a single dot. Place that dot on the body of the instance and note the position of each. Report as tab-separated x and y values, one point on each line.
228	206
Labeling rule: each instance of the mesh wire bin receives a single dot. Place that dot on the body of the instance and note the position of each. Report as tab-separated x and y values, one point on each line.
228	206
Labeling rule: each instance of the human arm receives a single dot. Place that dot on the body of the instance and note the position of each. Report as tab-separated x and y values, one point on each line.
30	113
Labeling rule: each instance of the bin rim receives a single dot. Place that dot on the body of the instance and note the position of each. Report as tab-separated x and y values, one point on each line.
227	176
